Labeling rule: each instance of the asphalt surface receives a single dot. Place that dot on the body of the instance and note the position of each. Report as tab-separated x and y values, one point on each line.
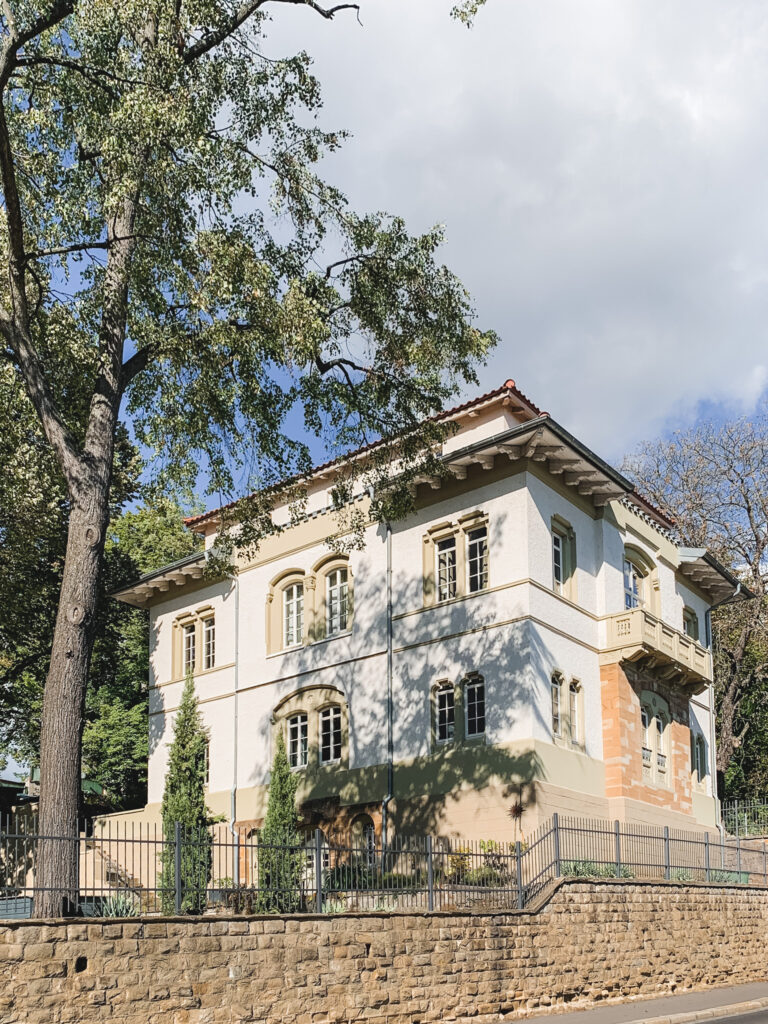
733	1002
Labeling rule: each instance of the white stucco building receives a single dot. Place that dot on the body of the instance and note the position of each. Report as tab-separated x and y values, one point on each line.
543	646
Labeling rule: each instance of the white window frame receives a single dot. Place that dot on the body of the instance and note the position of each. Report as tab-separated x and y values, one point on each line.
293	614
209	642
477	559
446	568
445	714
634	585
298	740
471	688
337	601
330	727
189	647
555	690
558	562
691	622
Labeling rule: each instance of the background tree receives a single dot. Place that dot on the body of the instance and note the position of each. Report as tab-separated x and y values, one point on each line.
184	802
713	481
168	243
280	845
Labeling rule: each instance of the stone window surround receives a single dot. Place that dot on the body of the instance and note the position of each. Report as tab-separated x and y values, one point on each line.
314	583
699	751
459	529
561	528
459	711
310	701
565	737
649	573
659	741
196	618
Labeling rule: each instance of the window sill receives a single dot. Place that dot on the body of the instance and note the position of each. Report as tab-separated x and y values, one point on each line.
309	644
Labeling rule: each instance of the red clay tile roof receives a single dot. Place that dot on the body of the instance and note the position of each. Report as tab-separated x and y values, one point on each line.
508	386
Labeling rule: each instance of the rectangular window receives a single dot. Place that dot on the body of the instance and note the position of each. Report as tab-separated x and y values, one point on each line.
557	721
189	647
207	763
558	562
293	614
298	745
477	559
474	700
446	569
337	602
330	734
209	642
446	711
691	624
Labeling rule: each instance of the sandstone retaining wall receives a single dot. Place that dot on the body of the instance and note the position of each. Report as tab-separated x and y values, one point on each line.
589	942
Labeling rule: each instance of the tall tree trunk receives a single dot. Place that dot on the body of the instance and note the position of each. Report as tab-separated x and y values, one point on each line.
64	706
64	697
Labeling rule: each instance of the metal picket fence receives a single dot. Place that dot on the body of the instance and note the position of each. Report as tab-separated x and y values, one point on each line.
745	818
131	870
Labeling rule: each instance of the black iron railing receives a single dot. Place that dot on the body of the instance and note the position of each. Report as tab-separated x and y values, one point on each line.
130	870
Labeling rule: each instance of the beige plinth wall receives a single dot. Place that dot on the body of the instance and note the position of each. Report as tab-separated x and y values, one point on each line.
591	942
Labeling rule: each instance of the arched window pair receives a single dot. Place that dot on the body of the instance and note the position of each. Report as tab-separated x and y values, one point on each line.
459	712
305	608
315	727
567	710
655	721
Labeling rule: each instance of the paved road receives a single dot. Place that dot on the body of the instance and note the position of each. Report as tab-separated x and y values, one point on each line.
756	1017
669	1006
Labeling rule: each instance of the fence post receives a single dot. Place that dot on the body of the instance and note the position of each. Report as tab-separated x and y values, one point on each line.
667	857
318	871
706	856
737	818
556	825
430	876
177	867
617	846
765	866
519	875
738	855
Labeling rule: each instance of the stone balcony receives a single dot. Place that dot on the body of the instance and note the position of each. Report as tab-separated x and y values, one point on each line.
636	635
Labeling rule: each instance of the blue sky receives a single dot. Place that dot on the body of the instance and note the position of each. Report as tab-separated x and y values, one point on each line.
601	172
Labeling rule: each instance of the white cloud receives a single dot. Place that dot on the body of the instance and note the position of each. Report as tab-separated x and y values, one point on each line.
600	169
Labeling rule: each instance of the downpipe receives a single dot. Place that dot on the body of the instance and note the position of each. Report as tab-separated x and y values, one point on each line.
390	738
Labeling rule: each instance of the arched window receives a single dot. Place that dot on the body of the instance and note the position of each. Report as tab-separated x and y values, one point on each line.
364	839
336	602
314	721
298	740
330	734
293	614
445	713
655	720
634	587
474	707
556	686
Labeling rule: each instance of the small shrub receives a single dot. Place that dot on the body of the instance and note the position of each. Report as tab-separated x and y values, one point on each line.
458	864
578	868
730	877
682	875
122	904
485	876
334	906
356	875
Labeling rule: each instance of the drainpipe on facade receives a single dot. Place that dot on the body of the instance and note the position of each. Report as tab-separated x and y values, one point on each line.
712	736
390	739
233	791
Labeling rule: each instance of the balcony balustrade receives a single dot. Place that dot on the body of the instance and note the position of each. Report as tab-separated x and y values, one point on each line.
636	635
